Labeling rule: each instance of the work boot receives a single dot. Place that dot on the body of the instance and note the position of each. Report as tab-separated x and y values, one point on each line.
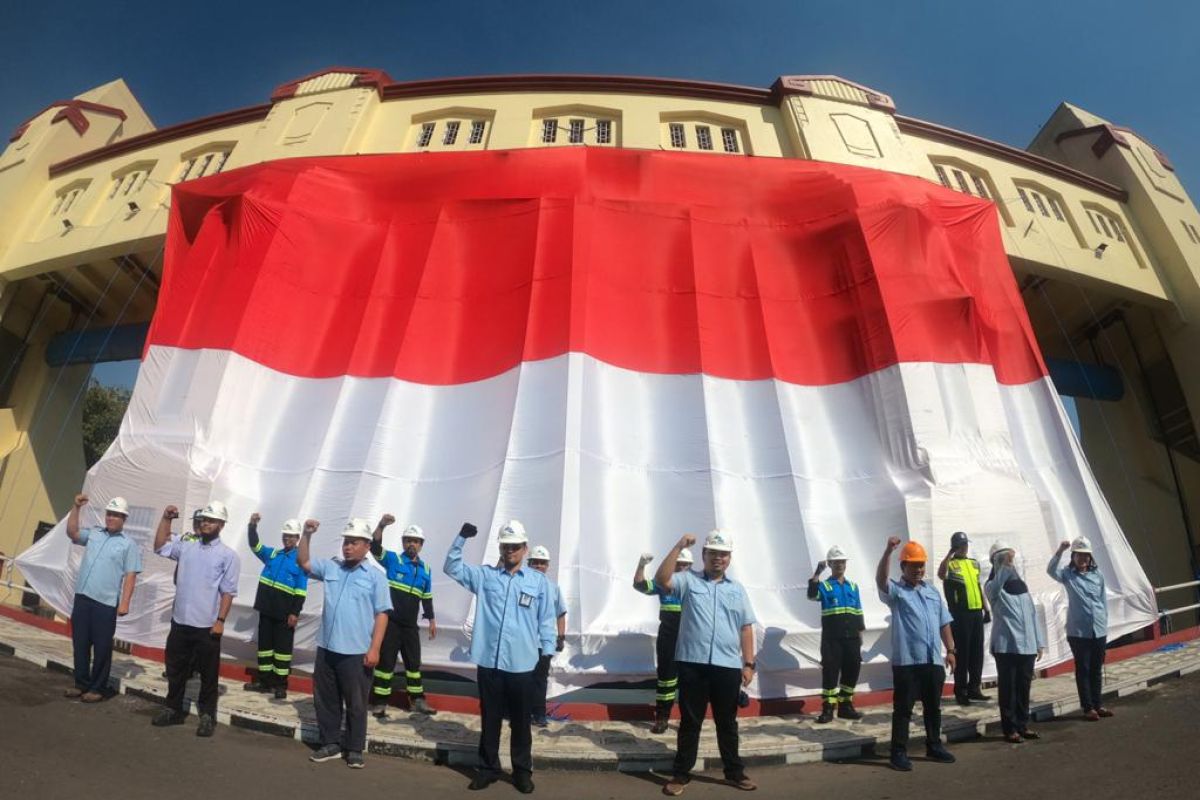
380	711
538	720
281	692
846	710
256	685
524	782
661	721
168	717
938	752
975	694
827	711
962	699
207	725
899	760
482	780
421	706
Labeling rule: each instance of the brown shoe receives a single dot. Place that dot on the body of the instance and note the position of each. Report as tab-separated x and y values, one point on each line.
1104	712
73	692
1091	716
743	783
1013	738
91	697
674	787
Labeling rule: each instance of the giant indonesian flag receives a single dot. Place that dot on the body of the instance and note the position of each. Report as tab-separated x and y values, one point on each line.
616	347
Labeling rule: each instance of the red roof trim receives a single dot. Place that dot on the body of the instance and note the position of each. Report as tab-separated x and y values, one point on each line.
919	127
1108	135
72	112
365	77
180	131
802	84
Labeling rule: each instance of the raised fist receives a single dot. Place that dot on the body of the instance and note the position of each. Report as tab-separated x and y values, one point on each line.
310	526
893	542
255	517
385	520
170	512
467	530
1063	546
820	567
645	558
687	540
81	500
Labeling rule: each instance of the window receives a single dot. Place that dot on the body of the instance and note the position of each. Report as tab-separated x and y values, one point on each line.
1104	225
576	135
981	188
202	169
221	159
451	134
1191	232
549	131
961	180
962	177
66	199
116	187
1118	229
1025	200
426	135
476	137
1041	205
604	131
729	138
677	137
187	168
704	137
941	174
1056	208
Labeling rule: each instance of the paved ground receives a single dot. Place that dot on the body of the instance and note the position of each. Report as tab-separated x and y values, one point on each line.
55	748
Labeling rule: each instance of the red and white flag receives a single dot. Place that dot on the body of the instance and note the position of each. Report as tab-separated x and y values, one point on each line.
616	347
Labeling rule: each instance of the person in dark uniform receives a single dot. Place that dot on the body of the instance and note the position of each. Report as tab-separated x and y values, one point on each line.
666	690
282	589
963	587
841	636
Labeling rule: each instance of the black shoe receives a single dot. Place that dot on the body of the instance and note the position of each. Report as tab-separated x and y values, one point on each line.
207	725
327	752
938	752
523	782
380	711
168	717
256	686
538	720
900	761
827	711
962	699
482	780
354	760
280	693
421	706
846	710
660	725
975	694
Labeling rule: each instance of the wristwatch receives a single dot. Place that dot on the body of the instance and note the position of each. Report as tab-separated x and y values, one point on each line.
751	665
220	619
951	651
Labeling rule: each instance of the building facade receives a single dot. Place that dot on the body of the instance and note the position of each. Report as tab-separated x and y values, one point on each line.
1101	235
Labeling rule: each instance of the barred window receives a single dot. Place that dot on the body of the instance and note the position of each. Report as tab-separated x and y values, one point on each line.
1037	198
426	135
476	132
677	136
450	136
1056	208
221	159
961	180
704	138
549	131
116	187
941	173
604	131
576	132
981	187
1104	225
730	140
1118	229
187	168
1025	200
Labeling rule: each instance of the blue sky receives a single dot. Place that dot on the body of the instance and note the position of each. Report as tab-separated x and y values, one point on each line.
997	70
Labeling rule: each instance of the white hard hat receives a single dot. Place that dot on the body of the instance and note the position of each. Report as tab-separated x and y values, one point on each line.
357	527
719	540
997	548
413	532
214	510
685	557
835	554
292	528
539	553
118	505
1081	545
513	532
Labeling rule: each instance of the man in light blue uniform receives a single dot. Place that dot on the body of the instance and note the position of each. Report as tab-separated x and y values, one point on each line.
353	621
102	593
514	618
714	654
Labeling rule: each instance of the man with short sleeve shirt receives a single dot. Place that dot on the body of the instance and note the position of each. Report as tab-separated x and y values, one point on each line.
514	619
206	581
920	627
714	655
103	592
353	620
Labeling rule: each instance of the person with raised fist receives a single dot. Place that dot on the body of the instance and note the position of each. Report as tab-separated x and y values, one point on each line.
514	619
669	612
353	620
282	589
841	636
103	591
1087	621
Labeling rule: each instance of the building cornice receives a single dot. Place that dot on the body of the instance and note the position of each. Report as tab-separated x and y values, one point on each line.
1107	135
73	112
609	84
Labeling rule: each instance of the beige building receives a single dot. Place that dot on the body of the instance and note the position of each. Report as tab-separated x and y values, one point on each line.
1102	237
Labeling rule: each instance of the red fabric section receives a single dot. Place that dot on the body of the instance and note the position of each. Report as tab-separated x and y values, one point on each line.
454	267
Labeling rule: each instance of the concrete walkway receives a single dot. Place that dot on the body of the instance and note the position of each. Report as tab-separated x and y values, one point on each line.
451	738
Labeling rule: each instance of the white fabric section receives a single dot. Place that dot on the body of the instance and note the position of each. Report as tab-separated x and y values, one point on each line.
602	464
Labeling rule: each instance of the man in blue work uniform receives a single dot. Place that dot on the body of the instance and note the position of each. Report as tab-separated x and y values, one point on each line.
539	559
841	636
103	591
353	620
514	619
282	589
919	618
715	656
411	585
205	585
668	635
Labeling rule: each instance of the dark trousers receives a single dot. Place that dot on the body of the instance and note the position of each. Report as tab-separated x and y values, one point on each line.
922	682
403	641
1089	669
275	638
1014	676
191	648
967	628
541	680
701	686
841	661
667	688
505	694
93	626
340	687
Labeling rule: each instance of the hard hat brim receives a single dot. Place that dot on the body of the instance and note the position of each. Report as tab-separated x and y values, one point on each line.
719	548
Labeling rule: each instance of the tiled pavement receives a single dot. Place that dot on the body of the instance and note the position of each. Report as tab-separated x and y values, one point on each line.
451	738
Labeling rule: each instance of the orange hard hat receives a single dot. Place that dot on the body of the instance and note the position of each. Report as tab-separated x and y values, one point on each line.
912	551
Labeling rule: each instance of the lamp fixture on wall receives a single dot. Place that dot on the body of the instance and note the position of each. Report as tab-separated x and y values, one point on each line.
1099	251
67	224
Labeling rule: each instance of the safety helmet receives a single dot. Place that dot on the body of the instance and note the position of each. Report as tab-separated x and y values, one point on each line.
539	553
358	528
292	527
685	557
413	532
997	548
959	539
1081	545
513	532
719	540
215	510
913	551
835	554
118	505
